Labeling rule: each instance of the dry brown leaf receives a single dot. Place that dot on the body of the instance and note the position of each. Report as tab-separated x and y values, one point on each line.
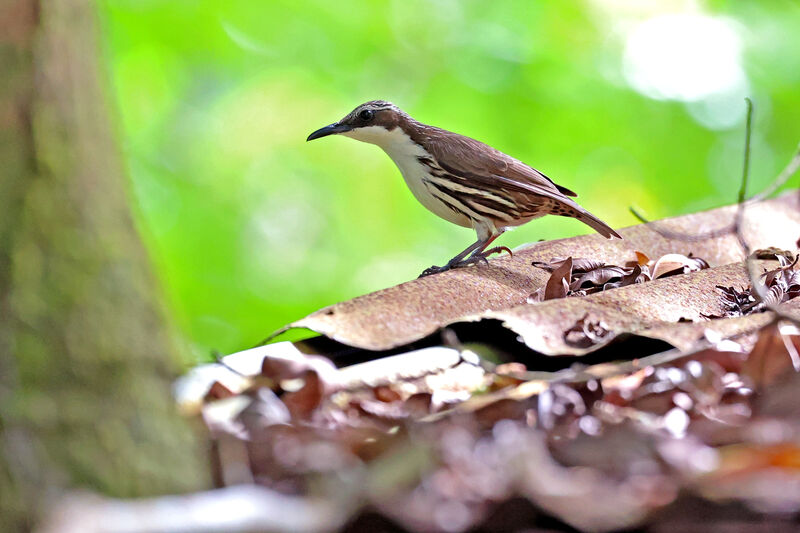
580	265
386	394
408	312
764	476
302	403
774	253
671	264
770	359
599	276
218	391
558	284
635	276
641	259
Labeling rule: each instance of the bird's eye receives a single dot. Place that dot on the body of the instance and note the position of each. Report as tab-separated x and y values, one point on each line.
366	114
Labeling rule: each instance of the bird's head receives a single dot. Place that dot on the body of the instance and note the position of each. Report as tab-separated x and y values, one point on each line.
371	122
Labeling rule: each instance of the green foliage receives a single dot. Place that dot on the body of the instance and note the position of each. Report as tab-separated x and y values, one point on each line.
251	227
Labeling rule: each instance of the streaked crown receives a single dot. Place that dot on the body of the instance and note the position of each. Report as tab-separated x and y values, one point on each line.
373	113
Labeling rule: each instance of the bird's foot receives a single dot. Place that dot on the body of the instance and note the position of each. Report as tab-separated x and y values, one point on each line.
449	266
482	257
497	250
471	260
435	270
474	259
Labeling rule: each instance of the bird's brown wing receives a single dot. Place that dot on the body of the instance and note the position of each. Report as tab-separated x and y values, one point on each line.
495	172
474	159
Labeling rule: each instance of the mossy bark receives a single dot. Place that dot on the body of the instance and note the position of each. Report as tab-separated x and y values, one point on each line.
85	356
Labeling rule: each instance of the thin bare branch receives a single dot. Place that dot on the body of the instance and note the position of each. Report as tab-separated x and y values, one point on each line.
737	221
272	336
790	170
746	163
680	236
219	360
735	226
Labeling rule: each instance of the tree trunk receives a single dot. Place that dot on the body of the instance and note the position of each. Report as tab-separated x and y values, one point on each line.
85	356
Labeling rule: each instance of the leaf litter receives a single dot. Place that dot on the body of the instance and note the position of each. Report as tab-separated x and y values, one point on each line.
596	448
440	439
582	276
437	436
781	284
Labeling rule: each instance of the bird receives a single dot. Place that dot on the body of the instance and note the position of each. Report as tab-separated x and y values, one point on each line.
460	179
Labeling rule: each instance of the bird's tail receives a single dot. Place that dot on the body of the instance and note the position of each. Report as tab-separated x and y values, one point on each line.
590	220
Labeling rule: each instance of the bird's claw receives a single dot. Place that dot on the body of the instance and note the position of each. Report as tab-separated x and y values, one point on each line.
482	257
497	250
434	270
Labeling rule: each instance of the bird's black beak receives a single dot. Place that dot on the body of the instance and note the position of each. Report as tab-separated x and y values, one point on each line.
329	130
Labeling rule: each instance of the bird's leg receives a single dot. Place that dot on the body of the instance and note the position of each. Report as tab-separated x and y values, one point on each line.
480	255
475	253
458	260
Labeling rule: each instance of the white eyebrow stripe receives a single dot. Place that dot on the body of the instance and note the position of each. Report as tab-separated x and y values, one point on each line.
385	105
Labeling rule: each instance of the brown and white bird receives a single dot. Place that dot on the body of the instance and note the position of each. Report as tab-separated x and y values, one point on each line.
460	179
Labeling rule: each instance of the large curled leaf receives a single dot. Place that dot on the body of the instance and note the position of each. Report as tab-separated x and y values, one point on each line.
669	309
410	311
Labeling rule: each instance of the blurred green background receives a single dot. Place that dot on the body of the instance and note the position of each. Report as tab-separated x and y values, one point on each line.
626	102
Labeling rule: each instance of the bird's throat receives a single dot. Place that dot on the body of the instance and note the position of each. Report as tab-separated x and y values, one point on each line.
395	142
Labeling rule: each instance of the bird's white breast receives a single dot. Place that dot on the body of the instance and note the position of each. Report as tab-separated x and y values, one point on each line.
406	153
